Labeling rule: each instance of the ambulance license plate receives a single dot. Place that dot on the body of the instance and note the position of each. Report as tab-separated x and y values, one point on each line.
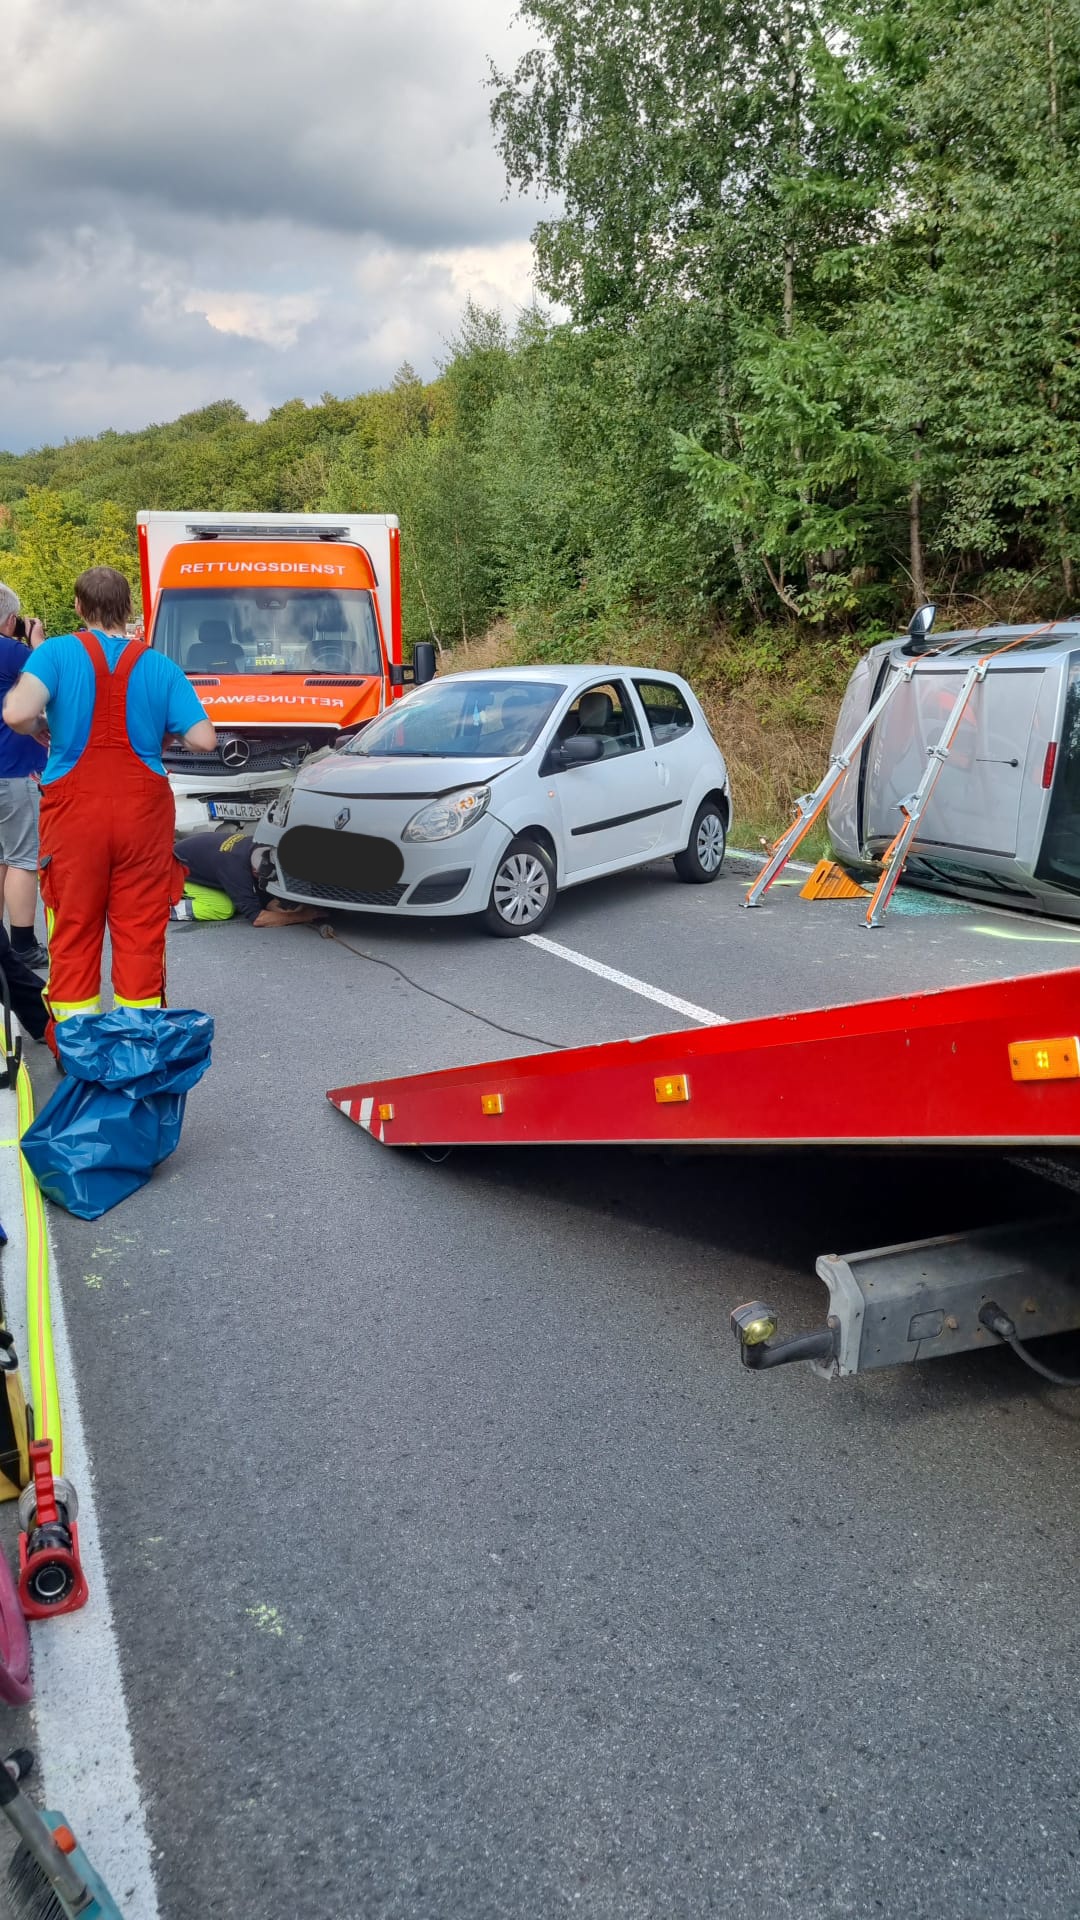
234	811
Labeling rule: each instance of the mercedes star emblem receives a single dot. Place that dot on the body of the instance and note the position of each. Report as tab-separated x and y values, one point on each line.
235	752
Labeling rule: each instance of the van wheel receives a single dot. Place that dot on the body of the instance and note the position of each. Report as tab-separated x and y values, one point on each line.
703	855
523	890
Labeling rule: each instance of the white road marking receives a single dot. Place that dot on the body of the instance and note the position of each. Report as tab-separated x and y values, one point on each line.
628	980
762	859
82	1733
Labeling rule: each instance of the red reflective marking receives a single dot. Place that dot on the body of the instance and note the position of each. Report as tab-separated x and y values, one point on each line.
1048	764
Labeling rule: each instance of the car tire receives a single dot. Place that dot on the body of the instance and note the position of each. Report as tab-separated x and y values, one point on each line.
703	855
523	890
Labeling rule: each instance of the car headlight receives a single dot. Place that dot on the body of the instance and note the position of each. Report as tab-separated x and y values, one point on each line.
278	811
441	819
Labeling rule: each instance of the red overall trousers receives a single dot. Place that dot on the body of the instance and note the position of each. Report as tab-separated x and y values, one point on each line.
106	839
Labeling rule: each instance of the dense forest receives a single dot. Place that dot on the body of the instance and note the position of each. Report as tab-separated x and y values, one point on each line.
821	267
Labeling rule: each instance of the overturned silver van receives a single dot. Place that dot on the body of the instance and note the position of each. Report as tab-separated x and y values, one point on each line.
1003	820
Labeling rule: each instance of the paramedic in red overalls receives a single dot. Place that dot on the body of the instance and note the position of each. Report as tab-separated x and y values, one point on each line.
107	812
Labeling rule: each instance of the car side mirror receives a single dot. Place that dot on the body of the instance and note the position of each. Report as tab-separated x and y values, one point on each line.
580	750
921	622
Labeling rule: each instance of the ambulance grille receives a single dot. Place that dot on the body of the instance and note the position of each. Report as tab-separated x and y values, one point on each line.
269	753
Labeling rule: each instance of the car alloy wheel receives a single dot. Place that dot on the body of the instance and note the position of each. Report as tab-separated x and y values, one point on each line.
522	889
703	855
710	842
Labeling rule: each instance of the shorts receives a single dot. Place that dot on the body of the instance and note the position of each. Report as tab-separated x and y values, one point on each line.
20	804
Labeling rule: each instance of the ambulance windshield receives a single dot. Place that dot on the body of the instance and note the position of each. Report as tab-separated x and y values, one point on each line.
242	630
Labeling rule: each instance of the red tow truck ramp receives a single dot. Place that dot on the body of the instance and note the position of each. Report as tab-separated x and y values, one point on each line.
996	1064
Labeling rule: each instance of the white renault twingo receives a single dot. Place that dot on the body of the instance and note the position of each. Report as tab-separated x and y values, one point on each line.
486	793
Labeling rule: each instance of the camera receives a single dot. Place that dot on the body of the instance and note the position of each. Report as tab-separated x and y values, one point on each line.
22	629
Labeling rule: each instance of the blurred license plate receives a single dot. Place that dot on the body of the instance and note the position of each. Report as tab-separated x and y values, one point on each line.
235	810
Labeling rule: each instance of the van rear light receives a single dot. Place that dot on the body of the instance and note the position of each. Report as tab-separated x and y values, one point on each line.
1048	764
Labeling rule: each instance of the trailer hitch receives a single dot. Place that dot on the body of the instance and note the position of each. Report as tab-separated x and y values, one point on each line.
754	1326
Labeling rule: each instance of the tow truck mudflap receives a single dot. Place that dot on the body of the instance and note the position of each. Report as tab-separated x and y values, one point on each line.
923	1299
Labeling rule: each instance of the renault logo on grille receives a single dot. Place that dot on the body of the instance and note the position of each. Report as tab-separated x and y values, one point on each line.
343	817
235	752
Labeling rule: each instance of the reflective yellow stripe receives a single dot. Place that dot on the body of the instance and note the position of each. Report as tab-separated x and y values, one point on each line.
44	1392
67	1009
154	1001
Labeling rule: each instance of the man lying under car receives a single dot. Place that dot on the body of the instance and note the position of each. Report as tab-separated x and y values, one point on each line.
226	875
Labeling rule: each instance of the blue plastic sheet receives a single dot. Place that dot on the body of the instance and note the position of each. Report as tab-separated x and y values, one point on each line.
119	1111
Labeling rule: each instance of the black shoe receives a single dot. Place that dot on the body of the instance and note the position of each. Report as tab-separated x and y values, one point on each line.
36	957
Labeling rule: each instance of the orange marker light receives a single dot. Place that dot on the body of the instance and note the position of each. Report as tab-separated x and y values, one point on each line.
1045	1059
670	1087
65	1839
491	1103
386	1111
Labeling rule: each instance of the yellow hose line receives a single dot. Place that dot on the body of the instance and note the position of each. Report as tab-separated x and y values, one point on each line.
44	1392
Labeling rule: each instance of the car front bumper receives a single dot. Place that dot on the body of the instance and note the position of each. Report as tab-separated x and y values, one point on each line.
462	868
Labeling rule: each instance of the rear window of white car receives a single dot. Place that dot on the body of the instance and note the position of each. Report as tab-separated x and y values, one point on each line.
665	709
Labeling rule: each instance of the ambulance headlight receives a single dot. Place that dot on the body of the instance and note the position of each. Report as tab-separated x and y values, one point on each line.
442	819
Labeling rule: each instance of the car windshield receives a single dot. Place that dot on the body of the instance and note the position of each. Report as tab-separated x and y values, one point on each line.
462	720
242	630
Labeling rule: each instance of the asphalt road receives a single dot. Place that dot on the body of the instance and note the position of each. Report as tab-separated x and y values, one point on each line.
458	1570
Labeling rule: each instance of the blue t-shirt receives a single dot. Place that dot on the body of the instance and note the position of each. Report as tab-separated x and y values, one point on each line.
160	699
20	755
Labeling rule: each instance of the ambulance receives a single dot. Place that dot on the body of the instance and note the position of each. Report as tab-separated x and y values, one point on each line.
289	628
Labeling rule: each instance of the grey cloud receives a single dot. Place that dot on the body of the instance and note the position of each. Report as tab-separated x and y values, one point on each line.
252	200
358	118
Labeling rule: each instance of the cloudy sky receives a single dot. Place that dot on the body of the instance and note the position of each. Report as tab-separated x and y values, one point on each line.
245	199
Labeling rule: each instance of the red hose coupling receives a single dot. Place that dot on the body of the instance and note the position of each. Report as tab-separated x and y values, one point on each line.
51	1579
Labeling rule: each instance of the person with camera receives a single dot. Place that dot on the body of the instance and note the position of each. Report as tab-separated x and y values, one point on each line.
22	760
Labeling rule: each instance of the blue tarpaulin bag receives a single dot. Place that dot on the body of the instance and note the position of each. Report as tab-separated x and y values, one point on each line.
119	1111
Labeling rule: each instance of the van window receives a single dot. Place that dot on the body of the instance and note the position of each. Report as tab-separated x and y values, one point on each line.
977	649
1059	855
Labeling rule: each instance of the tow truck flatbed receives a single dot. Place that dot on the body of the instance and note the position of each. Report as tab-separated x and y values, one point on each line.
914	1070
991	1064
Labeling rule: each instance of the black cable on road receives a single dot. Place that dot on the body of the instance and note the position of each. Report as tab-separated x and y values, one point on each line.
327	932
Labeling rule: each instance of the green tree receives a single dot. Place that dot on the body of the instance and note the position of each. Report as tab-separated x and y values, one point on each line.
57	538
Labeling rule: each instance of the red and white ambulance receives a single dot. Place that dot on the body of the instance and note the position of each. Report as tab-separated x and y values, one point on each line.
289	626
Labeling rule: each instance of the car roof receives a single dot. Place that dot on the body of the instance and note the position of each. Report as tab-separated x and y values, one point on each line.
562	675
